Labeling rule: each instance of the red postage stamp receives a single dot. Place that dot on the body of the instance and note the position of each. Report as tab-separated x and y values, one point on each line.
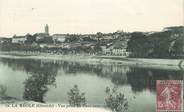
169	95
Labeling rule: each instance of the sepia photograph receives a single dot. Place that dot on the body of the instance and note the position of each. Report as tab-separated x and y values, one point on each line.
92	55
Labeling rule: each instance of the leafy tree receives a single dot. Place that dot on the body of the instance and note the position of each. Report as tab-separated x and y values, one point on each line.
177	50
42	75
140	45
30	39
161	41
116	101
76	98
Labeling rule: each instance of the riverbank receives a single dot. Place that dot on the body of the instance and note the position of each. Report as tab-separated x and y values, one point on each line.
104	60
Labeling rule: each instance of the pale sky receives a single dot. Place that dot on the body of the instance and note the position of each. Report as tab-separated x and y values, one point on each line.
88	16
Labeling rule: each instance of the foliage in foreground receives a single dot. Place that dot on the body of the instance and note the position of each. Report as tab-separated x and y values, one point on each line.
76	99
116	101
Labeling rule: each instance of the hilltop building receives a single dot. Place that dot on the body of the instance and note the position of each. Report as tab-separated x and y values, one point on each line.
47	29
40	36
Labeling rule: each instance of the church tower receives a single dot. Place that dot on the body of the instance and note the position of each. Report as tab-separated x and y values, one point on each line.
47	29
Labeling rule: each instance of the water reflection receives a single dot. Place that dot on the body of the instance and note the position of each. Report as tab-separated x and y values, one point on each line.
141	78
3	95
3	90
42	75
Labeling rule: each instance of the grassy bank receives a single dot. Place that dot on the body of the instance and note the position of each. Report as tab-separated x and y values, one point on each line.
104	60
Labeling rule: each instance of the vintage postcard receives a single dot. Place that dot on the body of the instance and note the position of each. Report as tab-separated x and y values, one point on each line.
91	55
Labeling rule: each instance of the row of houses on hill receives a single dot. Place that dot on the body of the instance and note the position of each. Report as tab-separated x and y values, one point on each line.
110	43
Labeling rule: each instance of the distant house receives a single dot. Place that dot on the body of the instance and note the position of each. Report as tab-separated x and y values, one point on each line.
27	39
119	52
5	40
106	50
59	37
41	36
107	37
19	39
118	49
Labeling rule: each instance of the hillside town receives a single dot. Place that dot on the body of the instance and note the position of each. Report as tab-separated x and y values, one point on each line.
119	43
91	44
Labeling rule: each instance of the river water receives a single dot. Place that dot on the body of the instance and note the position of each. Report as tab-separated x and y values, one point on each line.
49	81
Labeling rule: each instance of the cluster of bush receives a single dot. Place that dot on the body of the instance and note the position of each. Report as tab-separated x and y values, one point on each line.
114	100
